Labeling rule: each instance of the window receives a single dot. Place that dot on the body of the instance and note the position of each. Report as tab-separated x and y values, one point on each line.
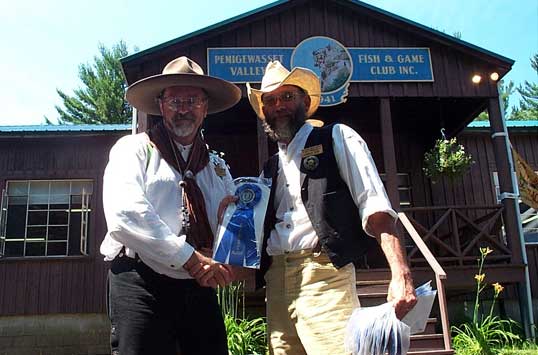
404	189
529	215
45	218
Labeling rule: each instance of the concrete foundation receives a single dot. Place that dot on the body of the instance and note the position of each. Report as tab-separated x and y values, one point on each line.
57	334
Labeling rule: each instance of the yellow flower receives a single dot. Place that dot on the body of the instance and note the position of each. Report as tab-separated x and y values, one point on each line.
485	251
479	277
498	288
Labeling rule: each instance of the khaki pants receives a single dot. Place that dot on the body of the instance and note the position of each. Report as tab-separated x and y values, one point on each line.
309	302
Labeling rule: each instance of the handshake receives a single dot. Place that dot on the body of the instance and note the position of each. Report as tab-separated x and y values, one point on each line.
207	272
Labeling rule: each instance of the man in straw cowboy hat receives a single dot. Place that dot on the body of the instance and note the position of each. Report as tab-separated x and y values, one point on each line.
326	201
161	198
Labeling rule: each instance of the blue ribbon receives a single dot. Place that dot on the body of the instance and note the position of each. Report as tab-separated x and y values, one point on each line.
239	239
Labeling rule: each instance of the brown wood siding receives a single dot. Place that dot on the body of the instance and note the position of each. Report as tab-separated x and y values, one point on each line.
72	285
474	188
56	285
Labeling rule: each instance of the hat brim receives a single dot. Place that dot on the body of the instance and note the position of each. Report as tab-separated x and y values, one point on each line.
221	93
301	77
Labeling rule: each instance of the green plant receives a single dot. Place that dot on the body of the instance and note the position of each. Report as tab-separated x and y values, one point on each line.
484	335
245	336
446	158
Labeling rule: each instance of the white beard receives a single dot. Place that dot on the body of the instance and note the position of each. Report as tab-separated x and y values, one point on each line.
184	128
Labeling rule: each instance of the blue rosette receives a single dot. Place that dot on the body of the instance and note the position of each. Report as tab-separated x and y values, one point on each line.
238	243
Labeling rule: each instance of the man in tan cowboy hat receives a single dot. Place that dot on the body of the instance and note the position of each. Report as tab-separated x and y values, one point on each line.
161	196
326	201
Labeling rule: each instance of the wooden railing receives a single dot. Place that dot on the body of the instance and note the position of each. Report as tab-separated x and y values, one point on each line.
440	275
455	234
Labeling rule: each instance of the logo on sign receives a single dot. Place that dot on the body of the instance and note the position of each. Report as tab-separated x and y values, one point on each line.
331	62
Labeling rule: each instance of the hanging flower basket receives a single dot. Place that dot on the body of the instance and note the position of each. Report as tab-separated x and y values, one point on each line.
446	159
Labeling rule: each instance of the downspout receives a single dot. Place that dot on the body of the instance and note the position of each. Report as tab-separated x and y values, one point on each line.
529	322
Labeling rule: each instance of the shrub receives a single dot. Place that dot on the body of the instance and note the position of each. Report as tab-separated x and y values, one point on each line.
484	335
245	336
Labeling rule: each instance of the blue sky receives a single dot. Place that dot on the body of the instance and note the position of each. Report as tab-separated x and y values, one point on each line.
45	41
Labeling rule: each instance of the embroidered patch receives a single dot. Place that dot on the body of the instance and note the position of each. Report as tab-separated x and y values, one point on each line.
314	150
311	163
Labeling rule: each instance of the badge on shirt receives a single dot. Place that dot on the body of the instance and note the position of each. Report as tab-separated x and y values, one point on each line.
220	171
310	151
311	163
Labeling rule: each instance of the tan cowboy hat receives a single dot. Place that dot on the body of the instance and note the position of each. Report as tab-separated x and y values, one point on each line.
182	71
276	75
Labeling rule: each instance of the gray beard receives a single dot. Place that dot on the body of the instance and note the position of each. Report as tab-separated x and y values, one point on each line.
184	128
286	134
184	131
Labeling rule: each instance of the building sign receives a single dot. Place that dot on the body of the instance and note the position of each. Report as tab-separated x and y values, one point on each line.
335	65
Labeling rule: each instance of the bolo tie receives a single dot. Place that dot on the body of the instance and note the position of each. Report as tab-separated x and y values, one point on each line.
185	223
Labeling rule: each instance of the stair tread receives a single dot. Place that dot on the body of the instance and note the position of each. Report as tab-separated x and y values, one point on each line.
430	351
372	294
372	282
426	336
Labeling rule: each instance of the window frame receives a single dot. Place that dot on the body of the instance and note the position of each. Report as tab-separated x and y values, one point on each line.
85	214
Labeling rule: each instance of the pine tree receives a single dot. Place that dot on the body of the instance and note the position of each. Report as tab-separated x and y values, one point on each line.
528	106
101	100
505	90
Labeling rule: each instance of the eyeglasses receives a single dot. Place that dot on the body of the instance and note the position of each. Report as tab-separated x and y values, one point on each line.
174	103
287	96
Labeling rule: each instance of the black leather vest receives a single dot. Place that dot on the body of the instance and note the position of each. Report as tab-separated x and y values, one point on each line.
329	204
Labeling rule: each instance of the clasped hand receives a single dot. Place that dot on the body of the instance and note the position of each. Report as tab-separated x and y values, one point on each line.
206	271
203	268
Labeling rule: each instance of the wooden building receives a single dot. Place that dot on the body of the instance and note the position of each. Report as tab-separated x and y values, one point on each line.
398	112
52	276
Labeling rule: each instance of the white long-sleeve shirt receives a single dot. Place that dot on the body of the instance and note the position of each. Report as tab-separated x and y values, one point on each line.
142	204
293	230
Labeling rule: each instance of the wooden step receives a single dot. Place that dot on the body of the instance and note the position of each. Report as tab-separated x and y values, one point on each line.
372	282
430	326
376	290
372	299
426	341
430	352
372	286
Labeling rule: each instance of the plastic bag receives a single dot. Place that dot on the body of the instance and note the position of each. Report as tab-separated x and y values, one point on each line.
240	236
377	330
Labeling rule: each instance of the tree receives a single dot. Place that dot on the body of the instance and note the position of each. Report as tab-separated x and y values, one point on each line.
504	91
102	99
528	105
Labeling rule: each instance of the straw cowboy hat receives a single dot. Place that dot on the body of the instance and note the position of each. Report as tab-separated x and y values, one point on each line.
276	76
182	71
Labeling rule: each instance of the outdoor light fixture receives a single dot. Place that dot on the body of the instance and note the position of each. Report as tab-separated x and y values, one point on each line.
494	76
476	79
